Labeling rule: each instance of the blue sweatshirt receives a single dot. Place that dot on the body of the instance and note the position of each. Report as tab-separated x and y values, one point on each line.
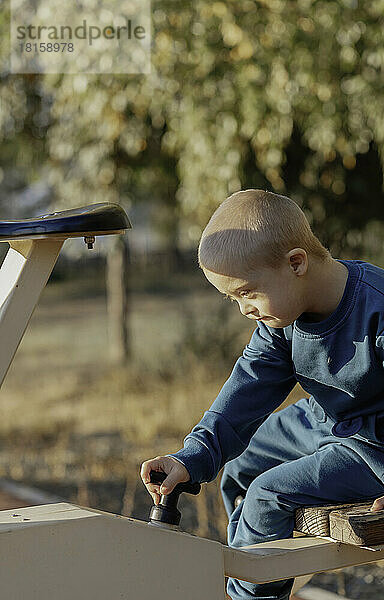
339	361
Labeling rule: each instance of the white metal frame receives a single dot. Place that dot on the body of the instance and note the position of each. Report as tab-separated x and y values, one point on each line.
63	551
23	275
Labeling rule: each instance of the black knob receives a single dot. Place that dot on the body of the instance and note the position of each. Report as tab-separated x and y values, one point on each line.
166	511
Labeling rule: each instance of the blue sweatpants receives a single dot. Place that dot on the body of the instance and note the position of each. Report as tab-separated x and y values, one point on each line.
292	460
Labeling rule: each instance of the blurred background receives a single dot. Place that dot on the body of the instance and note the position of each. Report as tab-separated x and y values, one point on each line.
129	344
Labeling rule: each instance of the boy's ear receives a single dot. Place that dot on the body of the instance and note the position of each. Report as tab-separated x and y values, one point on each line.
298	261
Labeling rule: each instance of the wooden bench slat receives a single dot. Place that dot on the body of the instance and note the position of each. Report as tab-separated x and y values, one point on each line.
357	525
314	520
348	523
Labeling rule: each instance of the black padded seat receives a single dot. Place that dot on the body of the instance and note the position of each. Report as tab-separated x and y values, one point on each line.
95	219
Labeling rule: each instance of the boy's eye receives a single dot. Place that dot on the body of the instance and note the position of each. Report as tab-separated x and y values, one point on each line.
244	293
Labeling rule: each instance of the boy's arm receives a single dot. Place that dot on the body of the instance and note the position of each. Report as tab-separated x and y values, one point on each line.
260	381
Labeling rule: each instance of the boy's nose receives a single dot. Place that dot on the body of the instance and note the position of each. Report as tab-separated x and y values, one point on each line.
246	309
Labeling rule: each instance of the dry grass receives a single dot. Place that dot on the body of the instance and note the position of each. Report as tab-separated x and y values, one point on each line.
61	375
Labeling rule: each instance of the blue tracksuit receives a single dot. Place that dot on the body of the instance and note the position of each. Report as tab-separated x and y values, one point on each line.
326	449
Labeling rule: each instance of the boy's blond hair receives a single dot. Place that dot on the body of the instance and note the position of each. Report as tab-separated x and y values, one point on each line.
255	228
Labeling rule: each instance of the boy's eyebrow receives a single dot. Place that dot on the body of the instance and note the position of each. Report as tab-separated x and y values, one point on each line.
238	289
242	287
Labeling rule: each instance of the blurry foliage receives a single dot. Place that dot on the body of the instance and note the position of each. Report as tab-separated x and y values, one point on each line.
282	95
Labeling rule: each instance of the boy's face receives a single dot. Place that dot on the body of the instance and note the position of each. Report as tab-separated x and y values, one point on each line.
274	296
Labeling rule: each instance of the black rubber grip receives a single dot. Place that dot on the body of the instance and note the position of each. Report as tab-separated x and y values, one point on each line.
189	488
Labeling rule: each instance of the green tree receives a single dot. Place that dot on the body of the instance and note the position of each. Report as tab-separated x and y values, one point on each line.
269	93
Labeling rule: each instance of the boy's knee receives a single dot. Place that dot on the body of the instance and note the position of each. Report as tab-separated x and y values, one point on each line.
268	493
263	488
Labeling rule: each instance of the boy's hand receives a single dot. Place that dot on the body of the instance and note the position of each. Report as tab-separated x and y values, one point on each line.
176	472
378	504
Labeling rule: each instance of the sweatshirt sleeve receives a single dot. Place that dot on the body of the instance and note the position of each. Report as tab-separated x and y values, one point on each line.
260	381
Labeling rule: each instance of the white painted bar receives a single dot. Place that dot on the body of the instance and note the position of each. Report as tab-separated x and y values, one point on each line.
63	551
23	275
282	559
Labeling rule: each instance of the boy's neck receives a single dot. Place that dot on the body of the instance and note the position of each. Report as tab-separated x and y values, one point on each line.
325	288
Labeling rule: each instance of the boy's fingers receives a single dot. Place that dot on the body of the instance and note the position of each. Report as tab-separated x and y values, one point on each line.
171	481
147	467
176	473
167	485
156	498
153	488
378	504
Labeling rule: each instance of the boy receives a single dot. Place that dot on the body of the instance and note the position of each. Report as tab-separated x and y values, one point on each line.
320	323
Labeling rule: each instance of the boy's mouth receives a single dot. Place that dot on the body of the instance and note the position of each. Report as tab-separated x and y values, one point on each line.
254	318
